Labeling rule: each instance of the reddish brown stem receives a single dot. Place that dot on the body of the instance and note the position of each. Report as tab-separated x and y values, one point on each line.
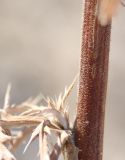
93	84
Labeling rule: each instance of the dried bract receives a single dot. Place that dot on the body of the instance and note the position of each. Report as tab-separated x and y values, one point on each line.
31	117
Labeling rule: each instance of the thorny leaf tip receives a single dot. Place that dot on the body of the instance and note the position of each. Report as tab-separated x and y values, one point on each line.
7	97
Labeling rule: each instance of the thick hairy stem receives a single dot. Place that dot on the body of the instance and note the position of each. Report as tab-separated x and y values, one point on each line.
93	84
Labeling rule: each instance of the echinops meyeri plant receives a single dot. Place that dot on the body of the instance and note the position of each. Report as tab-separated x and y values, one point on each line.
31	117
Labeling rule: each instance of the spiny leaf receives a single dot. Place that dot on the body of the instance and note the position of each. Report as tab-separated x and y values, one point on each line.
43	148
7	97
68	90
36	132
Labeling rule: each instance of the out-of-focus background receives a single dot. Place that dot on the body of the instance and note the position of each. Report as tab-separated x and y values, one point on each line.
40	53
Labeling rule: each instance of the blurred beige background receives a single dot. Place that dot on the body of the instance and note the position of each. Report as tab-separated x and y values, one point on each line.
40	52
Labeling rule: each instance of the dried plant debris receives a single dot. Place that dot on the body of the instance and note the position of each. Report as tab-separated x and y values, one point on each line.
44	122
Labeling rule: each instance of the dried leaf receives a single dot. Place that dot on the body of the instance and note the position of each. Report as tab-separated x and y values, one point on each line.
68	90
5	154
7	97
64	137
37	131
43	148
50	119
70	151
56	150
21	136
4	138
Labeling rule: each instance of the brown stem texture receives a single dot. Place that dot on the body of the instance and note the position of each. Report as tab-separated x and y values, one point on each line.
92	86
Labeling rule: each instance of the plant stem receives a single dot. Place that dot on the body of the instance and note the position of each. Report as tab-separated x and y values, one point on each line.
93	83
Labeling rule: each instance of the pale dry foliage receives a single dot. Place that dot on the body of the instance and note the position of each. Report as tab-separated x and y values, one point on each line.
31	117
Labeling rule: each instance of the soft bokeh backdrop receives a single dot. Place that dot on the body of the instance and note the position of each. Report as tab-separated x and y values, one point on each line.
40	53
